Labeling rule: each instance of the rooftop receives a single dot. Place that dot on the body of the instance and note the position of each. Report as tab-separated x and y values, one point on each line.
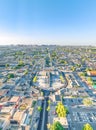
6	109
18	115
92	73
14	99
62	120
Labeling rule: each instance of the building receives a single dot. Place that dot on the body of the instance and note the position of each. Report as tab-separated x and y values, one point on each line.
91	73
3	92
3	124
14	100
56	98
7	111
62	120
17	118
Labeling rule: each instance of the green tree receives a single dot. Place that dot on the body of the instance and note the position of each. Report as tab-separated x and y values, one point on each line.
83	74
7	65
26	72
35	79
19	53
89	79
54	54
87	127
61	110
20	63
42	94
48	126
73	68
48	108
39	108
33	103
78	65
56	126
49	102
63	62
10	76
87	102
61	78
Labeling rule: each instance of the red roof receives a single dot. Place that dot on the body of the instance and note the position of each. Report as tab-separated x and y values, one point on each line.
92	73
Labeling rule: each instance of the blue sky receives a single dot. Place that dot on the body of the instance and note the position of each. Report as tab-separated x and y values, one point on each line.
48	21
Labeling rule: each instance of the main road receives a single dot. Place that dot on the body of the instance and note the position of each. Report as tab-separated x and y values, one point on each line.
84	85
43	115
43	120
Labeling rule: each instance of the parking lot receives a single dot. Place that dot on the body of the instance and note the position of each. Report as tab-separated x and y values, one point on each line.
79	116
79	126
84	117
72	101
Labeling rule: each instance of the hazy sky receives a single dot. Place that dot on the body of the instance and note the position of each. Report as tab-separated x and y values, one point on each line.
48	21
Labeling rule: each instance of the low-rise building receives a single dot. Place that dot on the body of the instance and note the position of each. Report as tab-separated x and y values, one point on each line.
17	118
3	124
56	98
14	100
91	73
7	111
62	120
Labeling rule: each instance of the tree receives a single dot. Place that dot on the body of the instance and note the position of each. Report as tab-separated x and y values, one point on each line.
19	53
35	79
73	68
48	126
10	76
63	62
78	65
42	94
26	72
33	103
48	108
89	79
87	127
61	110
83	74
87	101
61	78
39	108
88	69
49	102
20	63
7	65
54	54
56	126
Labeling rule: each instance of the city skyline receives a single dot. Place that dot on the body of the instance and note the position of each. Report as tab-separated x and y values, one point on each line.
61	22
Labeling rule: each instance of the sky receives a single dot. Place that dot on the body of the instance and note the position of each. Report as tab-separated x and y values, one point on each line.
65	22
